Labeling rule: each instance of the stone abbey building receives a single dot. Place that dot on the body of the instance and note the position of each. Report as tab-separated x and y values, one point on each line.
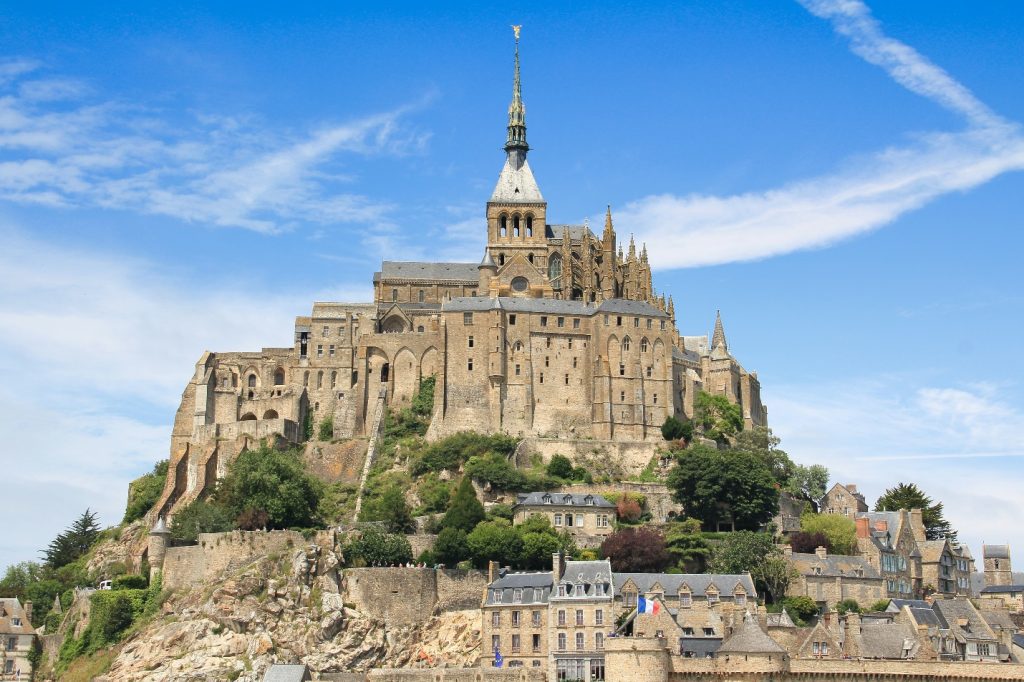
555	333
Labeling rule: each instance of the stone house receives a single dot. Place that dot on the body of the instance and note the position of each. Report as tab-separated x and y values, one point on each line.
581	618
17	637
831	578
889	541
996	562
555	333
946	568
588	518
700	610
844	500
515	618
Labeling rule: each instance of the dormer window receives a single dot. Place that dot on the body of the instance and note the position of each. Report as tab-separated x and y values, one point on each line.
496	596
517	596
561	590
685	600
578	592
712	597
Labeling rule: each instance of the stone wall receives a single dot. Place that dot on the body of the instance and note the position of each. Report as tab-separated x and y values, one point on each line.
628	457
658	497
336	462
190	564
410	596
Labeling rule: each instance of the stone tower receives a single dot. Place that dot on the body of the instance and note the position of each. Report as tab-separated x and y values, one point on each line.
158	538
997	565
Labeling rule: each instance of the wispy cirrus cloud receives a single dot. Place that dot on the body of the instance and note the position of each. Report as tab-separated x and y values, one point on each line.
222	171
700	230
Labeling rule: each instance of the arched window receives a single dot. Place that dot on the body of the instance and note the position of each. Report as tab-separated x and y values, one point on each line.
515	226
270	414
625	344
420	329
252	381
423	295
503	226
248	417
334	379
279	377
529	226
554	266
643	345
320	379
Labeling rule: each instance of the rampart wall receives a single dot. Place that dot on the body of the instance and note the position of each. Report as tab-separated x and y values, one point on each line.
458	675
630	457
410	596
190	564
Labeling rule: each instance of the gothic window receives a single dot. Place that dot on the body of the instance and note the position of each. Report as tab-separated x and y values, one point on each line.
320	379
625	344
643	345
554	266
334	379
252	381
394	295
423	295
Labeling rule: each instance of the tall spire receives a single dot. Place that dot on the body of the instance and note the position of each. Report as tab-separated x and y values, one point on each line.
516	141
718	338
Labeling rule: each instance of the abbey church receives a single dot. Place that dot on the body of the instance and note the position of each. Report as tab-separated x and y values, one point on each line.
557	333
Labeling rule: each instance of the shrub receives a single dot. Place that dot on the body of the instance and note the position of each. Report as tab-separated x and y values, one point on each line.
435	495
495	469
465	511
674	429
423	401
840	531
450	453
848	606
500	511
450	547
274	481
807	542
880	605
561	467
391	508
495	541
628	510
326	431
130	582
144	492
375	547
800	609
200	516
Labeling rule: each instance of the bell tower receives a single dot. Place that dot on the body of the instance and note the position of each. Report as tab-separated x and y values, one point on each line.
517	212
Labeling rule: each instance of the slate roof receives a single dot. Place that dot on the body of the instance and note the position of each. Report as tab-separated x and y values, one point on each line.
886	639
589	572
834	565
528	582
952	611
998	619
565	499
1018	640
576	232
553	306
996	551
623	305
749	638
780	620
1002	589
697	582
286	672
409	270
516	185
898	604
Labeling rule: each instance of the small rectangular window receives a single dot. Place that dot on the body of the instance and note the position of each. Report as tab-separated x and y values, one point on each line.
330	350
663	325
517	370
496	619
655	398
574	363
471	341
543	321
327	330
566	379
542	377
636	321
469	364
622	370
618	321
512	319
606	320
546	361
467	318
569	345
561	321
319	351
394	295
575	323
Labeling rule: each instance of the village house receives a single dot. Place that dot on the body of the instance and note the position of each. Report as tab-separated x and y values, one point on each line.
831	578
889	541
515	618
844	500
588	518
946	567
16	638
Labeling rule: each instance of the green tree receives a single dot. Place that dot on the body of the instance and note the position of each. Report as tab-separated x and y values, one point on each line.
200	516
326	431
808	483
909	496
676	429
561	467
762	443
689	549
718	418
495	541
450	547
378	548
757	554
840	531
715	485
275	482
848	606
465	511
391	508
74	542
880	605
495	469
775	575
800	609
144	492
540	541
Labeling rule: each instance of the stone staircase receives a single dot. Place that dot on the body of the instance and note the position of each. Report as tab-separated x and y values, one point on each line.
371	450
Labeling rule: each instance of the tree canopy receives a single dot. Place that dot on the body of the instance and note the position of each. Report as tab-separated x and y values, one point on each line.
675	429
274	482
465	510
718	418
756	553
808	483
909	496
636	550
715	485
144	492
73	542
840	531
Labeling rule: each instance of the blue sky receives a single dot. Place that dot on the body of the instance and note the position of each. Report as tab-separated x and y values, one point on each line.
841	181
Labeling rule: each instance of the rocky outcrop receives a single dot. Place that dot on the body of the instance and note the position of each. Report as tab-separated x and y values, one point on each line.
286	608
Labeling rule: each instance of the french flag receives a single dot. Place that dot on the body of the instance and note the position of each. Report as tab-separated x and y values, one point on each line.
647	606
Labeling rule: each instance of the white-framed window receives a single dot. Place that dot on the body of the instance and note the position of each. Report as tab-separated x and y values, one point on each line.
495	619
579	617
495	642
561	641
686	600
580	641
561	617
496	596
599	617
517	596
558	519
599	640
515	619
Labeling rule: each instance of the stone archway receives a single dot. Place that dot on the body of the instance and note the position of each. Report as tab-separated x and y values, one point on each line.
406	377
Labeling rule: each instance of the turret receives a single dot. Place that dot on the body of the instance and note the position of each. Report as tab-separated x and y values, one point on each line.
487	270
158	537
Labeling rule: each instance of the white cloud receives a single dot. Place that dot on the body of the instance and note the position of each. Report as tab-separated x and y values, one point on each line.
699	230
224	171
97	349
960	444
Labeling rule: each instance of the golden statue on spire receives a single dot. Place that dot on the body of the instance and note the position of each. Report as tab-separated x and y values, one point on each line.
516	29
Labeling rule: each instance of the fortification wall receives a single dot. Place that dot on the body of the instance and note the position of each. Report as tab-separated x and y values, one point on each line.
410	596
628	457
184	566
336	462
458	675
459	590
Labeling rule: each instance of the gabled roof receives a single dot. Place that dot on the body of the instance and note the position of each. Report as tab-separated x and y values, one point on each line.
11	608
887	640
1002	589
516	184
995	551
541	499
963	619
835	565
527	582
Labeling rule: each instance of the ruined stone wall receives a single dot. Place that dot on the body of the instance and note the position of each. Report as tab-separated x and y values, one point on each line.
185	566
409	596
600	456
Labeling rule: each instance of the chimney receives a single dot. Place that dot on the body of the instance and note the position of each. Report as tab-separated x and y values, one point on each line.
881	525
557	567
917	525
853	623
28	613
863	527
821	551
852	487
492	571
